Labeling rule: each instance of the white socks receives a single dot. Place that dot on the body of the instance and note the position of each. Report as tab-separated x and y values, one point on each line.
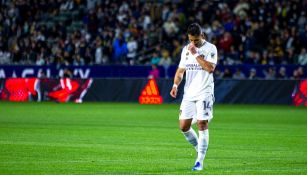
203	142
200	144
191	137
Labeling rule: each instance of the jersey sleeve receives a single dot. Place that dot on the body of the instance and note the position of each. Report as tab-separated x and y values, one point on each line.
212	55
182	63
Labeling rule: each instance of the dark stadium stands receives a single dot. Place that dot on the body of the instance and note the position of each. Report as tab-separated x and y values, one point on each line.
266	37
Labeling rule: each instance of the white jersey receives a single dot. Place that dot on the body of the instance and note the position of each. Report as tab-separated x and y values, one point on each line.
198	83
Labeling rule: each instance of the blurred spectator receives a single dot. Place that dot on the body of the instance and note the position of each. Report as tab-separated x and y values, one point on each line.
154	73
295	75
225	42
218	74
155	58
132	47
68	5
91	4
252	74
165	61
78	60
238	75
176	51
302	57
269	73
98	51
300	71
120	50
227	73
241	9
232	58
282	73
4	57
170	28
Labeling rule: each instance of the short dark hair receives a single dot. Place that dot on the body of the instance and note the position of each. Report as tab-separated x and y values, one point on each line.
194	29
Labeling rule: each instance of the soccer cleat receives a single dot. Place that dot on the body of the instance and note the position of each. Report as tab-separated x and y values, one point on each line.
197	167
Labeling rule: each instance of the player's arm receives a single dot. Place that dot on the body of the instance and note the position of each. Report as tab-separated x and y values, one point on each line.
207	66
177	80
178	76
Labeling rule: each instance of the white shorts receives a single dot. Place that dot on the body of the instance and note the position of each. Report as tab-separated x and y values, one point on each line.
200	110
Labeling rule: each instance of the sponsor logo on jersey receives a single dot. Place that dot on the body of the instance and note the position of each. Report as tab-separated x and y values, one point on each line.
193	67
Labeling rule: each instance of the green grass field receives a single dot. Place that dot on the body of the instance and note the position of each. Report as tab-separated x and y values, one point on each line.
119	138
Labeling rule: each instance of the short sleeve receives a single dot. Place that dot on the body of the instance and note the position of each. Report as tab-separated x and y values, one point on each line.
212	55
182	62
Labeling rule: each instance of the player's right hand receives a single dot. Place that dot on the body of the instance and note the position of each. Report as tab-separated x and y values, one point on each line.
173	92
192	48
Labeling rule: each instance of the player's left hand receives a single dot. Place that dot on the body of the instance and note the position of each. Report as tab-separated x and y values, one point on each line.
173	92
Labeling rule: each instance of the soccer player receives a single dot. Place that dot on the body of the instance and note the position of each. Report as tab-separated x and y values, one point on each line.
198	60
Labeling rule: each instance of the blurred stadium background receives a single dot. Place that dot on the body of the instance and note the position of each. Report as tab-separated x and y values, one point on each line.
256	40
108	51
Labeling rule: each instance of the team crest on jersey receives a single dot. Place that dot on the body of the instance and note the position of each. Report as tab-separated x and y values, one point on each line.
212	55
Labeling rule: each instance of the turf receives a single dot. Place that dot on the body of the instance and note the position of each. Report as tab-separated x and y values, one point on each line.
119	138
